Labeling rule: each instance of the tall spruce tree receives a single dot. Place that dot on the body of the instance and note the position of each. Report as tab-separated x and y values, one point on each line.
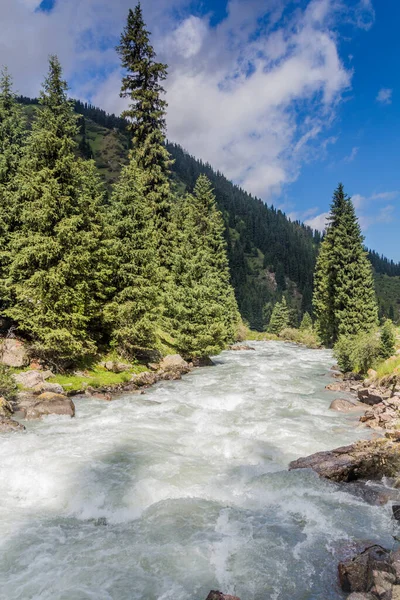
12	135
132	314
344	296
279	318
142	84
204	312
57	274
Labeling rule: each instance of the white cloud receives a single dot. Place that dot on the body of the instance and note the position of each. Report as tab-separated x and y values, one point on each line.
384	215
384	96
369	211
352	155
364	14
318	222
254	96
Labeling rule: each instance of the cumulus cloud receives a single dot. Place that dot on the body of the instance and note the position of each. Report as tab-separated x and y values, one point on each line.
318	222
384	96
253	96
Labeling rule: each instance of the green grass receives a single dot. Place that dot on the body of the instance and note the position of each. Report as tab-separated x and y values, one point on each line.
391	366
97	377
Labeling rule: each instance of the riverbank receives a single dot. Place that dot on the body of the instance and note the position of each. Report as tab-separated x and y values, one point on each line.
185	489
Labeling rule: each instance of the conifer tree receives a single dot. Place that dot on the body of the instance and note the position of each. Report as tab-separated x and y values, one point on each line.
306	322
12	133
132	313
279	318
142	84
344	296
57	273
204	312
388	340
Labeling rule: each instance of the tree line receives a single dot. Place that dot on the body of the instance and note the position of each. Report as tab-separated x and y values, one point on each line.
80	271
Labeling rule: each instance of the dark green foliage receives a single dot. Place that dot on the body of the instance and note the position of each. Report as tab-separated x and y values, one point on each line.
250	276
8	387
388	293
142	84
357	353
344	295
388	340
56	272
283	246
12	132
132	313
306	322
202	307
279	318
382	265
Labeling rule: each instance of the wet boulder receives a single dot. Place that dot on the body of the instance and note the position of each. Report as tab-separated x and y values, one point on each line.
202	361
238	347
336	387
174	362
13	353
145	379
8	425
220	596
346	406
371	459
35	407
371	571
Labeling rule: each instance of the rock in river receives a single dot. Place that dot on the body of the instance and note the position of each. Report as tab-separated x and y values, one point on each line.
48	403
343	405
363	460
9	425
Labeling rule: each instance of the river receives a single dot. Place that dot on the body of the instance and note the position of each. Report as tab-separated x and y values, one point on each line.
167	495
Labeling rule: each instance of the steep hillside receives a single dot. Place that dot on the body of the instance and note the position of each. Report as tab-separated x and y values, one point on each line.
269	255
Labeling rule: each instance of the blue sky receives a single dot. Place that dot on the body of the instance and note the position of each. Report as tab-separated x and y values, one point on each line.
286	97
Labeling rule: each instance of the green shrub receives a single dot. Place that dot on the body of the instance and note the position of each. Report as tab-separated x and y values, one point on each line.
388	340
307	337
8	387
357	353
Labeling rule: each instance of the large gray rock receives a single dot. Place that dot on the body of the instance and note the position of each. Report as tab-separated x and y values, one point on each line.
145	379
370	571
202	361
35	407
13	353
31	379
174	362
363	460
346	406
9	425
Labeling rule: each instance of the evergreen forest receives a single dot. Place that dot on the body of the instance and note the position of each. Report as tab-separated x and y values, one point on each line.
113	236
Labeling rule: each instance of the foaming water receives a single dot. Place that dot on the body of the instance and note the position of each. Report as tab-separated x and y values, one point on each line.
185	489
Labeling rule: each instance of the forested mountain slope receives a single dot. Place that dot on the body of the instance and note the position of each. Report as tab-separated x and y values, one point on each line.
269	255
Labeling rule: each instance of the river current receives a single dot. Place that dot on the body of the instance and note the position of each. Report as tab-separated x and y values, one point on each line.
167	495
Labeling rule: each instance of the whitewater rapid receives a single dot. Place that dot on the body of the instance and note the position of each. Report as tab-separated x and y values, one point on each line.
167	495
